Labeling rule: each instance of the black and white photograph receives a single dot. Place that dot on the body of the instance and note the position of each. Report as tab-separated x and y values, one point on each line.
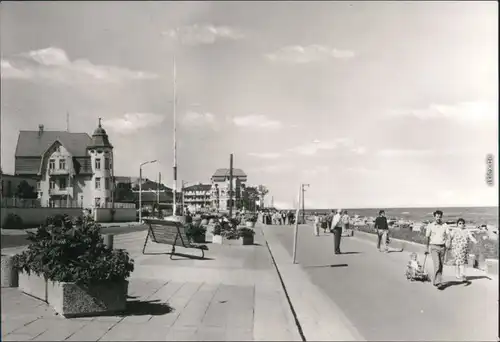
249	170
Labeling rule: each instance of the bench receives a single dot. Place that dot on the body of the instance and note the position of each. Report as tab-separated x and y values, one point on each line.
170	233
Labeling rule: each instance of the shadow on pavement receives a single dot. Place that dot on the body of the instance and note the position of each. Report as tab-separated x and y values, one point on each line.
149	307
182	256
396	251
455	283
344	253
334	265
478	277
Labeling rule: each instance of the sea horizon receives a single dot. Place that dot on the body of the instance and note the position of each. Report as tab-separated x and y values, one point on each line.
478	215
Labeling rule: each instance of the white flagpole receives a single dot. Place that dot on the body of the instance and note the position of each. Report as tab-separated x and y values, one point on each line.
296	226
174	188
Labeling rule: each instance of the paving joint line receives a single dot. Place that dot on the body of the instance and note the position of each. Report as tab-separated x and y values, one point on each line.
297	323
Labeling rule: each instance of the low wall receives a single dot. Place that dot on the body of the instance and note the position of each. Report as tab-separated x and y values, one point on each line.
33	217
121	215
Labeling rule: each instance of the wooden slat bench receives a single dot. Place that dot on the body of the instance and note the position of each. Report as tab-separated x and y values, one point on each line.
170	233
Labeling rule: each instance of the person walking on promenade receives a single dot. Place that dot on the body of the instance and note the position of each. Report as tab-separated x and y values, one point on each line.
336	228
460	240
382	229
345	221
317	223
329	219
438	240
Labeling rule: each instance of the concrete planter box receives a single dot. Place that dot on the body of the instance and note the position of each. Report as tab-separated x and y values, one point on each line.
33	285
199	238
492	266
10	276
217	239
247	240
73	300
250	224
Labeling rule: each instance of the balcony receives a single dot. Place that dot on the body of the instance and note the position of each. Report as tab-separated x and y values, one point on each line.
61	192
58	172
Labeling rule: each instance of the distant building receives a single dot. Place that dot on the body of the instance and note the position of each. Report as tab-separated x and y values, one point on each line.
220	189
69	167
197	196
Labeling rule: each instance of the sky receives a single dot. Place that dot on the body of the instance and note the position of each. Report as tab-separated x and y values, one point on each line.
374	104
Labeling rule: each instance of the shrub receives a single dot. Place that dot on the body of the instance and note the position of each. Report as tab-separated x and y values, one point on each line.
245	232
72	250
13	221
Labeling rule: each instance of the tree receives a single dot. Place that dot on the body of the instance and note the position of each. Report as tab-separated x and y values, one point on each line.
263	191
123	193
250	196
26	191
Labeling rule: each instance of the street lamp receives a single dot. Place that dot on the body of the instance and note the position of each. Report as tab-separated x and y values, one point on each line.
303	205
140	187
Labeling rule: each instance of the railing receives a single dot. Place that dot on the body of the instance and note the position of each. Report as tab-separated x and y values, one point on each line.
64	191
117	205
62	203
20	203
54	172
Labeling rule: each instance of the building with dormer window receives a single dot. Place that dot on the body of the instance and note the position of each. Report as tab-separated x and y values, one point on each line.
70	168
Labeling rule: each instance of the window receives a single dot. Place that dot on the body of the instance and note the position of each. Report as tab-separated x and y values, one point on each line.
107	199
62	183
97	202
52	164
52	185
98	183
106	163
62	164
98	164
38	186
106	183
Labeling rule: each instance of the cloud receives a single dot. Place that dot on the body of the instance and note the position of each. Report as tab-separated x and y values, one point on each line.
265	155
316	171
203	34
195	119
53	65
397	153
131	122
316	145
465	112
10	72
296	54
276	168
256	121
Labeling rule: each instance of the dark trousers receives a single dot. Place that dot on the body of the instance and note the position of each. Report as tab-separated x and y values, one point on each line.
337	234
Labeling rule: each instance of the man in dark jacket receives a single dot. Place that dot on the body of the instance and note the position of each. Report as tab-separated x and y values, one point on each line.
382	231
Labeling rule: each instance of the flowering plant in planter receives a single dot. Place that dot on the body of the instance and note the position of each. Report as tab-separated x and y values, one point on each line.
68	265
72	250
245	232
217	229
251	218
195	231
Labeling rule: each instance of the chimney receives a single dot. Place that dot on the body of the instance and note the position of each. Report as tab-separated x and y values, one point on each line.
40	130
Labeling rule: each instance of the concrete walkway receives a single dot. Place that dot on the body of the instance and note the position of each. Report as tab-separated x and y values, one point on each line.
364	295
234	295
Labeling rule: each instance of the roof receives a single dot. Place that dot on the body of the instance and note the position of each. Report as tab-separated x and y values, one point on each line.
100	138
33	144
198	187
225	172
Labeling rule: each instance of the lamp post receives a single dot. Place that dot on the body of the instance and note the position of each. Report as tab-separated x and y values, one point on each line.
140	187
303	205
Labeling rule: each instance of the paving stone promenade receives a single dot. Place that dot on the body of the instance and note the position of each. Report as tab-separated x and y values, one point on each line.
236	295
364	294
